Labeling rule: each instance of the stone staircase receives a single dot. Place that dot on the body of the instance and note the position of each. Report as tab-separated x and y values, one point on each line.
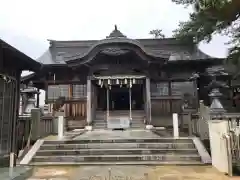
137	118
160	151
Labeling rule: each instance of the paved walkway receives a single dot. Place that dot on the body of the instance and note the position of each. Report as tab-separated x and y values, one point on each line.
128	173
109	134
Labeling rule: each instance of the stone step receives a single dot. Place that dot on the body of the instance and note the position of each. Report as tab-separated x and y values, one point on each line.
84	141
117	146
182	163
114	158
116	152
104	123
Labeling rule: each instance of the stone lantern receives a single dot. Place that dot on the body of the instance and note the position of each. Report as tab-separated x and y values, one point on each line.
216	107
28	100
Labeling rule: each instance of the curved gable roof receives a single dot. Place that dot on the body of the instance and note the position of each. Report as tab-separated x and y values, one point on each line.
170	49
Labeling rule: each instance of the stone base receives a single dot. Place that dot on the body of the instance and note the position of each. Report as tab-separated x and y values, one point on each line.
88	128
149	127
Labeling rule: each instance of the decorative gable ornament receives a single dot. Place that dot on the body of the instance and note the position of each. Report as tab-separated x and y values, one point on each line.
116	33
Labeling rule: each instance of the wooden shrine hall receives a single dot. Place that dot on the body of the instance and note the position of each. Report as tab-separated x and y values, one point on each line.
119	74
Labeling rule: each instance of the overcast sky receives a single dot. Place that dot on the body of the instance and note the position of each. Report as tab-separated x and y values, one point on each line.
27	24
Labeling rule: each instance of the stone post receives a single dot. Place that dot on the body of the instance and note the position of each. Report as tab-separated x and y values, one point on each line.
175	125
60	124
35	125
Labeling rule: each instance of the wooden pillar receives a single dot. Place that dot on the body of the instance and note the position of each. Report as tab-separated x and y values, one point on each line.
93	101
196	89
148	101
46	90
89	101
130	103
38	99
15	115
189	120
107	103
70	97
170	96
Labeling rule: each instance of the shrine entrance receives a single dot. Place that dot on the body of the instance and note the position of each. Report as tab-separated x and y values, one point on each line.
119	97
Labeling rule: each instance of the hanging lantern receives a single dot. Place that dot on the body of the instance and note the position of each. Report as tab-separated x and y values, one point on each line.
110	87
120	84
117	82
125	82
99	82
134	81
109	82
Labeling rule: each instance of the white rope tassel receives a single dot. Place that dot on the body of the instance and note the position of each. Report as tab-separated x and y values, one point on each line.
130	85
134	81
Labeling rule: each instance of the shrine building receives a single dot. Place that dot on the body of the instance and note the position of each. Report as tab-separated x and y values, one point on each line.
119	75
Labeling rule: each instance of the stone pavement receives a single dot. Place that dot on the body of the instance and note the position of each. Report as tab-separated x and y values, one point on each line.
109	134
128	173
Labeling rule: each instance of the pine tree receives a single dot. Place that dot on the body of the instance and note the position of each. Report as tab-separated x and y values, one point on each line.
210	17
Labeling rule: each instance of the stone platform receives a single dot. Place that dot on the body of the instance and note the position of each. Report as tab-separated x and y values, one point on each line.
117	134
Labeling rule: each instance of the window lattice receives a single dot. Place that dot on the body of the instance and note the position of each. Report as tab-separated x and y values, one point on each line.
159	89
79	91
181	88
55	91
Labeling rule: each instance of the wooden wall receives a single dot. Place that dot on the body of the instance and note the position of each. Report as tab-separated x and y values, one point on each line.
167	97
165	105
73	109
75	105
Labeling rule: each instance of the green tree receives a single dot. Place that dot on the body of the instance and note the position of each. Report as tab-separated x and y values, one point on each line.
210	17
157	33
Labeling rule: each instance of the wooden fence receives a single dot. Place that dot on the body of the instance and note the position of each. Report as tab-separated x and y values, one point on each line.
32	127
